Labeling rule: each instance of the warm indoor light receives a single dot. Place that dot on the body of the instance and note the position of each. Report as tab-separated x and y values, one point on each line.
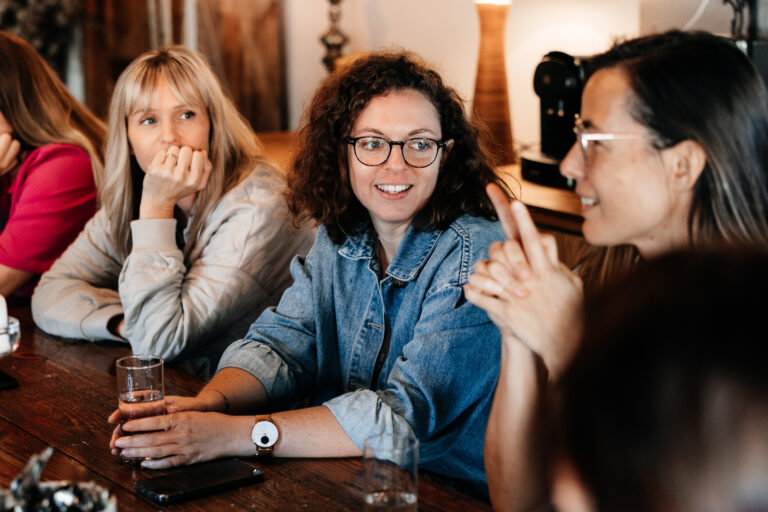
496	2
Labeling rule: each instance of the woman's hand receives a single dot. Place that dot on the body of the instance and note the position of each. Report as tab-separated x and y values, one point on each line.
202	402
9	153
527	292
174	175
173	403
183	438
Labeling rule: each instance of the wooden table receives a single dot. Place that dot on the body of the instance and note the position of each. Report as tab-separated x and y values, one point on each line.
551	208
66	391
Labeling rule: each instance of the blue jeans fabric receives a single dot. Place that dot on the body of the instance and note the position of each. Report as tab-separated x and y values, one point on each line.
405	352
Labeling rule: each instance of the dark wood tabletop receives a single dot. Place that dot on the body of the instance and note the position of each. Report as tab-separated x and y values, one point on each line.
551	208
66	391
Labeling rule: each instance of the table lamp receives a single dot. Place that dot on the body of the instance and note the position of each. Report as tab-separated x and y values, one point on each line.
491	102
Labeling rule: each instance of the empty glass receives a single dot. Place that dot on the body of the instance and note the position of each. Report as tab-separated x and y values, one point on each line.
9	337
390	465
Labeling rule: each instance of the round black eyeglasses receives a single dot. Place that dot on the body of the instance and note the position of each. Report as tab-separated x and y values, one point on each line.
417	152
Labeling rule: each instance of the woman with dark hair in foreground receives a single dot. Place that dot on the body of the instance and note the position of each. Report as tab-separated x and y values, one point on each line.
665	407
671	152
374	334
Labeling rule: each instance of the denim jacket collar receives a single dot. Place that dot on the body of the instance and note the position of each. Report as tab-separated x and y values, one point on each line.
412	254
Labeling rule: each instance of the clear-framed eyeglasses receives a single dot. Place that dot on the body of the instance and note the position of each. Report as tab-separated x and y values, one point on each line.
417	152
584	137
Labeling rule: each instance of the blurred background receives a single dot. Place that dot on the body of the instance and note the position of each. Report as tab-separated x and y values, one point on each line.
269	55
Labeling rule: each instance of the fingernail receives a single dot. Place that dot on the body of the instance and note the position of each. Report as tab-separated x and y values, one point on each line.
520	292
496	289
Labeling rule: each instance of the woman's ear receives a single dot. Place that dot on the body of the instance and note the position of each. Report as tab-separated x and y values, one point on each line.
685	161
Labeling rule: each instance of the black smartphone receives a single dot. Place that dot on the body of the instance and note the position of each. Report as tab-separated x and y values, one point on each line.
199	480
7	382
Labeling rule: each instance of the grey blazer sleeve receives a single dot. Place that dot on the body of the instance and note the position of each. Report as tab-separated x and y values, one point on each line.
239	264
77	296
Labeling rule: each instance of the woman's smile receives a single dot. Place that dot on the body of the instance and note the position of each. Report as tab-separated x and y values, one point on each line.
393	192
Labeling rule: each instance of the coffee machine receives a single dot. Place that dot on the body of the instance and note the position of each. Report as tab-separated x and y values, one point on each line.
558	81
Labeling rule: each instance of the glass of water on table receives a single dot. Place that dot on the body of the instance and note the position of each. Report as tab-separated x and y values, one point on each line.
390	467
140	387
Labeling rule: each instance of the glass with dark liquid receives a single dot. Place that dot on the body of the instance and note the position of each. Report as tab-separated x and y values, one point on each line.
140	387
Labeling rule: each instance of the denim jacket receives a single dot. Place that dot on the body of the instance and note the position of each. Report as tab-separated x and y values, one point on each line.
402	353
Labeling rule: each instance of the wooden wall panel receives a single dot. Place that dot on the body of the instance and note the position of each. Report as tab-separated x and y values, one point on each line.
242	40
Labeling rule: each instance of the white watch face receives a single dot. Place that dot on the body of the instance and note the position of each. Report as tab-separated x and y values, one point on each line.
264	434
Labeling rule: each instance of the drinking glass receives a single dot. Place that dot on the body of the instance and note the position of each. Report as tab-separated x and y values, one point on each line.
390	466
140	390
9	337
9	342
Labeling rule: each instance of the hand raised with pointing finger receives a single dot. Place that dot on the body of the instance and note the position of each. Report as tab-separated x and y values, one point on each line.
527	292
174	174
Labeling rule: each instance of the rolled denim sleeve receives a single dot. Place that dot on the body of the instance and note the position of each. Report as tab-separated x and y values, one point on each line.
442	381
279	349
324	339
365	413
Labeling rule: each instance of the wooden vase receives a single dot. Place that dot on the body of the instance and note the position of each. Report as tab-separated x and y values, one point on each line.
491	102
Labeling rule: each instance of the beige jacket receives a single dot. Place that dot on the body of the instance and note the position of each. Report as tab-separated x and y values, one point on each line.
192	311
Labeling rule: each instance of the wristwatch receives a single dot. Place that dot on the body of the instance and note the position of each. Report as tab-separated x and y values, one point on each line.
264	435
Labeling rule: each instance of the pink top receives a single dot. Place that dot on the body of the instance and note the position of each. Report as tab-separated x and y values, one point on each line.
45	206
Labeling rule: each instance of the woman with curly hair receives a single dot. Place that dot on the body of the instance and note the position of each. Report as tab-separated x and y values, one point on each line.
374	335
50	164
193	240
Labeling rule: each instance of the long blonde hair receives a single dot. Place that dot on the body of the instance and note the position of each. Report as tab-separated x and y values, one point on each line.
40	108
234	149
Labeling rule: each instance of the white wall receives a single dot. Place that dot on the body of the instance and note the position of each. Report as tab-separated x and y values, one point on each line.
446	32
536	27
443	32
660	15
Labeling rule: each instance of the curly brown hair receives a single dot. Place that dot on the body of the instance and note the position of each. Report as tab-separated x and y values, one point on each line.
318	183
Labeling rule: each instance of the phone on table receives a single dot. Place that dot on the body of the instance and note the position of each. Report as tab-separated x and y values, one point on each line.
7	382
199	480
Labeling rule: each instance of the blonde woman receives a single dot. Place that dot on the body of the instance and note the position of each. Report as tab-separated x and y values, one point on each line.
50	164
193	240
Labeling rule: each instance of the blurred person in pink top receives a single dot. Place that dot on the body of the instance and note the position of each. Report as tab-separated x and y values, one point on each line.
50	165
